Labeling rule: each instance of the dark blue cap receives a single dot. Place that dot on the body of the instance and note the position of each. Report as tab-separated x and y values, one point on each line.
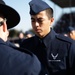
70	28
37	6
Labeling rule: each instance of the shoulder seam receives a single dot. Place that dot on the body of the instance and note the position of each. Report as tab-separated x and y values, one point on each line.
62	37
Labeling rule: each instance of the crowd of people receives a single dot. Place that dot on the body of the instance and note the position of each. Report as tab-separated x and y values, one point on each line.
21	36
66	20
46	53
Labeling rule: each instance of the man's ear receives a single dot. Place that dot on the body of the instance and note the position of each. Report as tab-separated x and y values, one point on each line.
52	20
4	27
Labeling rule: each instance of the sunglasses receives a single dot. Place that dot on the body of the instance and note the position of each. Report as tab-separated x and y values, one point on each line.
2	22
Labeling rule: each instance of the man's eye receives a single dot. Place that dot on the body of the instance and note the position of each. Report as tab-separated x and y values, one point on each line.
1	23
40	21
33	20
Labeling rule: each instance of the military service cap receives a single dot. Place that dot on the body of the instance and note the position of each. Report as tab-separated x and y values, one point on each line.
37	6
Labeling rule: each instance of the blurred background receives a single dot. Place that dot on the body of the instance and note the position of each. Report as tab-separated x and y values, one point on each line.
64	15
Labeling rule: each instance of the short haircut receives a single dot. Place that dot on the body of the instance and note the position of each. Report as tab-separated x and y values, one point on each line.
49	12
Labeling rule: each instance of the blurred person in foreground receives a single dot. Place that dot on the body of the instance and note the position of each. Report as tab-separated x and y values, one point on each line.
55	52
70	32
13	61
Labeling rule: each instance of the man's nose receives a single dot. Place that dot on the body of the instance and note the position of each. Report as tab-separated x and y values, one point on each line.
36	24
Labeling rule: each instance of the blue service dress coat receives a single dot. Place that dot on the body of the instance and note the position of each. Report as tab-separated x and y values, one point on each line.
56	53
15	62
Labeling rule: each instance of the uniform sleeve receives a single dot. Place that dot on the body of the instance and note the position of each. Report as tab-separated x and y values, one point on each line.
72	58
35	66
15	62
26	64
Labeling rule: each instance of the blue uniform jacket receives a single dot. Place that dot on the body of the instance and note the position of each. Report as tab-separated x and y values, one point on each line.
15	62
57	55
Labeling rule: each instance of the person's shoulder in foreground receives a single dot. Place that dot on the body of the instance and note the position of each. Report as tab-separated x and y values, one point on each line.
13	61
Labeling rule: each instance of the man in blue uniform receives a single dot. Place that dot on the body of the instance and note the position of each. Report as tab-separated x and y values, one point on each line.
56	52
70	32
13	61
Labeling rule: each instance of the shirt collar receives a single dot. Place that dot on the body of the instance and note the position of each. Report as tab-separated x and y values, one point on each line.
1	41
47	39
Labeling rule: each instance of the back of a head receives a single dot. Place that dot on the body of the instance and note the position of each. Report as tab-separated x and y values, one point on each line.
12	16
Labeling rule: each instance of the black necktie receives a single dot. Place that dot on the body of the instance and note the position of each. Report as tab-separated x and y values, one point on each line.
44	58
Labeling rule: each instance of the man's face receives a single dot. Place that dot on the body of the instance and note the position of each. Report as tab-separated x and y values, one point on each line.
41	24
3	28
21	35
72	34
